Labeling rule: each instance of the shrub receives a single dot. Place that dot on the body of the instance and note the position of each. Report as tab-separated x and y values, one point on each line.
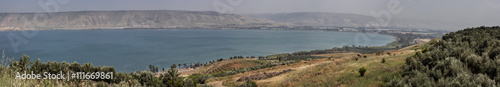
364	56
75	66
22	64
203	78
188	82
248	83
205	85
102	84
88	67
425	50
37	66
54	67
383	60
119	77
362	71
65	66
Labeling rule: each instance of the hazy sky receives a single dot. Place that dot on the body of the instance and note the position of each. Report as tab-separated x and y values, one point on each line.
475	12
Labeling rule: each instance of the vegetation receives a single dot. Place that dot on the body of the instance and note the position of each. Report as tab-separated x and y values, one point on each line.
246	69
139	78
362	71
468	57
248	83
345	70
201	79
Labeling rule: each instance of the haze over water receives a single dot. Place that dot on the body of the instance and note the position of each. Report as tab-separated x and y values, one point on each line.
133	50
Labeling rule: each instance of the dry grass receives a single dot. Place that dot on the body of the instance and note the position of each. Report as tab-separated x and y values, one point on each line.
297	67
337	55
343	71
346	73
220	66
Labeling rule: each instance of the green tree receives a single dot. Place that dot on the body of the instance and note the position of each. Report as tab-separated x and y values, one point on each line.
172	78
75	66
173	66
22	64
88	67
37	67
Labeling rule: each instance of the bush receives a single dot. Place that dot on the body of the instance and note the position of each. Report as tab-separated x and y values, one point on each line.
37	67
22	64
88	67
171	78
383	60
364	56
248	83
203	78
362	71
205	85
102	84
119	77
188	82
75	66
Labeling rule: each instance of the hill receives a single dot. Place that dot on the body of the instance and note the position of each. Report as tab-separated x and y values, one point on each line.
196	19
348	20
465	58
333	69
121	19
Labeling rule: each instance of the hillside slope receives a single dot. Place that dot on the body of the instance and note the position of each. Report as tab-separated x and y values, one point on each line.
465	58
336	69
120	19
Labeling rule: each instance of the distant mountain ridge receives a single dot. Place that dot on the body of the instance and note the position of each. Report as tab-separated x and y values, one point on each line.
346	20
119	19
194	19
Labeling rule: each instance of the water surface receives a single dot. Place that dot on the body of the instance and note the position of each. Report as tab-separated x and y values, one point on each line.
132	50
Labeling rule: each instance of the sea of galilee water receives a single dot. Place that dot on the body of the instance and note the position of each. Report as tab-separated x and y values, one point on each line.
134	50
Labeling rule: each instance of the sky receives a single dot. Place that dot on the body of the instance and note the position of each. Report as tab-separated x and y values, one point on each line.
469	12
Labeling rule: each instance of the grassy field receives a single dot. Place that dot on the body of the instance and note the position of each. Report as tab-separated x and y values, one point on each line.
336	69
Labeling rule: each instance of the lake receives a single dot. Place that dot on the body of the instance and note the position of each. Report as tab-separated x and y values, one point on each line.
133	50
